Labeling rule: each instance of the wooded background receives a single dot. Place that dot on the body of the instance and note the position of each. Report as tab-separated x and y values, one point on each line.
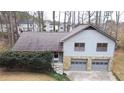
109	21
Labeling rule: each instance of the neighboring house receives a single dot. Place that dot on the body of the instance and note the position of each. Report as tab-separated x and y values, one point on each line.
85	48
3	28
48	26
23	25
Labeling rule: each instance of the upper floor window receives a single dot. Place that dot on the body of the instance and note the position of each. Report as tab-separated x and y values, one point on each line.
79	46
101	47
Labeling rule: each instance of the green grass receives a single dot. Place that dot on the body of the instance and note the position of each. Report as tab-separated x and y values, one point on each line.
59	77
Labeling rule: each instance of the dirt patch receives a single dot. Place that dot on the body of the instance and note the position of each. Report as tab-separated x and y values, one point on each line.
24	76
118	65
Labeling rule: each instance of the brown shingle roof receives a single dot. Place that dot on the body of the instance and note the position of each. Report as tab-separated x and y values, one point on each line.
39	41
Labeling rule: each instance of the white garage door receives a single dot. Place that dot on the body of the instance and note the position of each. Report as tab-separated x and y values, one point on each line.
100	65
78	65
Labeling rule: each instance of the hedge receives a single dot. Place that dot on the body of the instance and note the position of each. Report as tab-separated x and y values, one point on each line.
31	61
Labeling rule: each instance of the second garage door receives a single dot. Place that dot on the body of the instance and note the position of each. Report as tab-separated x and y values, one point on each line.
100	65
78	65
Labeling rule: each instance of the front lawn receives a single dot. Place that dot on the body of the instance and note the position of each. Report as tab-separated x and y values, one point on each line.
30	76
118	65
32	64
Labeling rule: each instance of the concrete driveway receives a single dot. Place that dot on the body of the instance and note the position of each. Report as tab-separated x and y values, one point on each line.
90	76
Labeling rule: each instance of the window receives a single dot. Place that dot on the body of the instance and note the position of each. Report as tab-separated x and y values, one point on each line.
101	47
61	27
79	46
31	24
56	55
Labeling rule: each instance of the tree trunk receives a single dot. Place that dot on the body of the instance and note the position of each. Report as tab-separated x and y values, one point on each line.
11	28
65	21
54	29
83	17
15	25
117	23
59	21
88	17
27	18
42	20
96	19
39	21
1	23
7	22
99	18
33	21
73	20
78	17
69	22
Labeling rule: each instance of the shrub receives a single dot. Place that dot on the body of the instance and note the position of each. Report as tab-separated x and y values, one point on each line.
59	77
31	61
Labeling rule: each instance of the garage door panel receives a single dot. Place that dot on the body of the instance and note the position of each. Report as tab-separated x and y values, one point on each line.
100	65
78	65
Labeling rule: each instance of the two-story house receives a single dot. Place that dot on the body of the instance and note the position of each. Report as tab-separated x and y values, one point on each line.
85	48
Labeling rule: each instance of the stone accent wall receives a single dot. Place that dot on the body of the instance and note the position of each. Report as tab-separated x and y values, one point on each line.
110	64
67	61
89	64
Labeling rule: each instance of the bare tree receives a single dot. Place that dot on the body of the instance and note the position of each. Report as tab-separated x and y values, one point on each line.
42	20
107	15
69	21
27	18
65	21
117	23
59	20
89	17
99	22
1	22
83	17
73	19
97	19
54	29
78	17
6	17
15	26
10	19
39	20
33	20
